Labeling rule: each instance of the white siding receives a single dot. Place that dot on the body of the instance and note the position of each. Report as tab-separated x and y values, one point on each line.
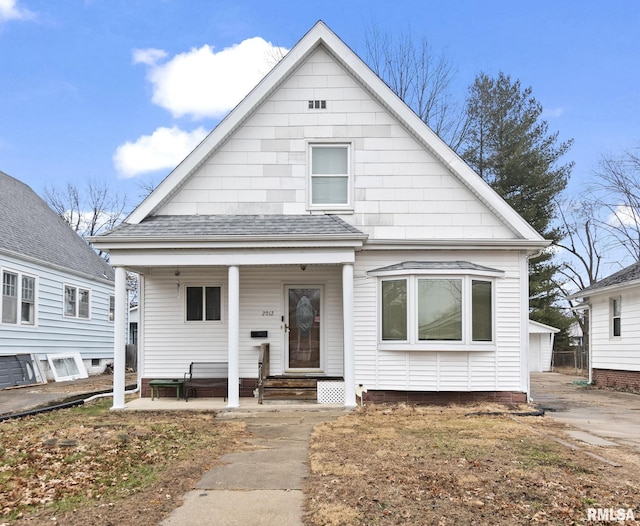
53	332
621	353
171	343
497	370
401	190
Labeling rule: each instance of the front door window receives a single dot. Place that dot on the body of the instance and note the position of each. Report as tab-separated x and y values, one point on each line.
304	327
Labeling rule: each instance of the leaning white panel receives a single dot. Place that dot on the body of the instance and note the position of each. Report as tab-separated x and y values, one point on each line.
67	367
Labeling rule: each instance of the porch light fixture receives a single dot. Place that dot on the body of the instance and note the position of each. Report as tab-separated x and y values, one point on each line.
303	267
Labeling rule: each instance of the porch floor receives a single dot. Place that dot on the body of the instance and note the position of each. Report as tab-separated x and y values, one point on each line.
220	405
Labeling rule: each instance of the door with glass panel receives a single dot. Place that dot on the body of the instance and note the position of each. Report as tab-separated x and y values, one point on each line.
303	339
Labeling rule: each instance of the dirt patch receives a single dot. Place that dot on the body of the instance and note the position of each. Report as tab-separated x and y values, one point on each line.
460	465
90	465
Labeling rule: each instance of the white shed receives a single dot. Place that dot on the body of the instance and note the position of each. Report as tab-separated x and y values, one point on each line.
540	346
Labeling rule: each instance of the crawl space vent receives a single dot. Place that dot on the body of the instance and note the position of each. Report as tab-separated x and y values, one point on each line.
330	392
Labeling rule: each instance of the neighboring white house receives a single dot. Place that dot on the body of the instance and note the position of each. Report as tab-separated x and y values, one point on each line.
541	338
614	332
323	217
57	293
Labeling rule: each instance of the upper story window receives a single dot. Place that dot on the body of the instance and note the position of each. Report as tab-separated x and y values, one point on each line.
427	307
77	302
203	303
18	298
330	176
616	317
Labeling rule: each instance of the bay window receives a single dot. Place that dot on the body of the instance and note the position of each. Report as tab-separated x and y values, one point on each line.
428	309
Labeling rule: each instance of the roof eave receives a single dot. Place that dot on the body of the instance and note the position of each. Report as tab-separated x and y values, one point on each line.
604	290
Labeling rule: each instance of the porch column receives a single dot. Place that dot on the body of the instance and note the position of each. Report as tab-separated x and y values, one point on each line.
233	395
119	341
349	353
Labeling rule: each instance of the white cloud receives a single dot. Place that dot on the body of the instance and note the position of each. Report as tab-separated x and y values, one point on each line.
553	112
625	216
204	83
164	149
9	10
148	56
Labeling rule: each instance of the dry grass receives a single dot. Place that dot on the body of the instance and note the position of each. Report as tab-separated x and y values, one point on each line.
441	466
90	465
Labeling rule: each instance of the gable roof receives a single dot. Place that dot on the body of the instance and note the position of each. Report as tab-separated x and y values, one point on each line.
321	36
30	229
627	277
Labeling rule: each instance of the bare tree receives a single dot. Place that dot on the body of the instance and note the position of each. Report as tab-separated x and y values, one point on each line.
582	242
420	78
616	190
88	211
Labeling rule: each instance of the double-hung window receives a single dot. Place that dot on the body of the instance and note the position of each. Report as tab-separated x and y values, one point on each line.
615	309
77	302
425	308
330	176
204	303
18	299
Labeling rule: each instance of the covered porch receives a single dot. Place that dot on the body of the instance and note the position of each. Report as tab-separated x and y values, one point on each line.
293	290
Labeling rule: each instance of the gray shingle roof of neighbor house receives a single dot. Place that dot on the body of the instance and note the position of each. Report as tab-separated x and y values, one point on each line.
626	275
290	226
29	228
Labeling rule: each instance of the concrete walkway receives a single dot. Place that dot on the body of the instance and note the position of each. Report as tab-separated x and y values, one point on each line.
600	417
261	486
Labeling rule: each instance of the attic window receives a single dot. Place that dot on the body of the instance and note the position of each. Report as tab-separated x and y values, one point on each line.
317	104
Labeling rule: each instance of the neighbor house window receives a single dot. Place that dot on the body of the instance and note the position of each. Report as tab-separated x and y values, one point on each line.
112	307
203	303
76	302
9	297
18	298
28	295
443	305
616	319
330	175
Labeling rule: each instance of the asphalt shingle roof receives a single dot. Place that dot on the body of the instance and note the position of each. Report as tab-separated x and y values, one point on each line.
626	275
30	228
435	265
294	226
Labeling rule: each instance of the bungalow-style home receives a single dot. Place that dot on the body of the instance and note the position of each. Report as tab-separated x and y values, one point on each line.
541	339
322	217
614	328
56	313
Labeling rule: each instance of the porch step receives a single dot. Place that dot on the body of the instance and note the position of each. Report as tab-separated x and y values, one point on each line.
283	388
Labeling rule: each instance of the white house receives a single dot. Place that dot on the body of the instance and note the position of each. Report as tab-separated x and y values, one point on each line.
614	331
541	338
323	217
57	294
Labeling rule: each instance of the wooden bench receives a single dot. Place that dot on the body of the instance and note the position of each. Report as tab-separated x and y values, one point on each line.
155	385
206	375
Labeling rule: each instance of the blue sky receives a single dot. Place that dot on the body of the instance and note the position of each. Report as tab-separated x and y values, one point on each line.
108	89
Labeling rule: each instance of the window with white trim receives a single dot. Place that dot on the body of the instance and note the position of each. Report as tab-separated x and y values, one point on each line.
18	298
436	305
112	307
77	302
615	309
203	303
330	176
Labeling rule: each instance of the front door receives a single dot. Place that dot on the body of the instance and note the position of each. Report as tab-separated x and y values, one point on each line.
303	339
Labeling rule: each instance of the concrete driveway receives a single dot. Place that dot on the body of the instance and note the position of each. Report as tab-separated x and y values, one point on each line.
601	417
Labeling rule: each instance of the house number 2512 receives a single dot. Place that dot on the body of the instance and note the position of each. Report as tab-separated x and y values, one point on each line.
267	313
